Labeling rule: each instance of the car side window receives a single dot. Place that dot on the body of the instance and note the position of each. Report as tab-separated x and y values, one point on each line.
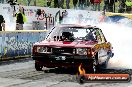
99	36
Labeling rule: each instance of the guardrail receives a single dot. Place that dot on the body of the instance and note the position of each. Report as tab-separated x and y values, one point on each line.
119	14
16	44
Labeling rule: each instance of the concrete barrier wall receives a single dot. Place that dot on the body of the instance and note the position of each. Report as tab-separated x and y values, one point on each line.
18	43
119	14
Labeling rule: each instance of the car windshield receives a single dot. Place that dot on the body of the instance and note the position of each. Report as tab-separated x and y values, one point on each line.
75	33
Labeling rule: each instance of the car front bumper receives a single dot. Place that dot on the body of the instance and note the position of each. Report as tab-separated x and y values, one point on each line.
62	60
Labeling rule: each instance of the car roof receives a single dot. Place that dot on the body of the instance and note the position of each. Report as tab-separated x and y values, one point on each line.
77	26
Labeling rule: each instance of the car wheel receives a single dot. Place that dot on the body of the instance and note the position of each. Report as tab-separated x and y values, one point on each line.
92	68
38	67
81	79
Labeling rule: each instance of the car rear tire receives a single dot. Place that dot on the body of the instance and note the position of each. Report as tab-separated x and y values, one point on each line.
81	79
91	68
38	67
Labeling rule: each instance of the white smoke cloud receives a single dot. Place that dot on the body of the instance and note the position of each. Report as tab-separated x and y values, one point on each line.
120	35
81	17
121	38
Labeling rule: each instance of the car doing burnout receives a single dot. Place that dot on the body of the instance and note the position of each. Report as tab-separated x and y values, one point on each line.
70	45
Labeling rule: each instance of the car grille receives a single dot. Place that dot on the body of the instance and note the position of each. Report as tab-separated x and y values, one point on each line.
62	50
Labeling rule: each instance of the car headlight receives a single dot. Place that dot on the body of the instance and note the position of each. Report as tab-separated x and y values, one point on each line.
81	51
41	49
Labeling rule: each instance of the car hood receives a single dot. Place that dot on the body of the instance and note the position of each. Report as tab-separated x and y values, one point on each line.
75	44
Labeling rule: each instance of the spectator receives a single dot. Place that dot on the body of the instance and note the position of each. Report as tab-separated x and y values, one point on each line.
61	3
97	5
12	2
92	3
2	1
56	4
108	5
20	19
121	6
106	2
75	3
87	2
49	3
67	4
128	6
2	23
43	13
81	3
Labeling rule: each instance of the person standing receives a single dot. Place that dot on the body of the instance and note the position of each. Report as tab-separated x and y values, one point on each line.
2	23
81	3
111	5
128	6
87	3
67	4
49	3
121	6
75	3
2	1
108	5
56	4
97	5
61	3
20	19
92	4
